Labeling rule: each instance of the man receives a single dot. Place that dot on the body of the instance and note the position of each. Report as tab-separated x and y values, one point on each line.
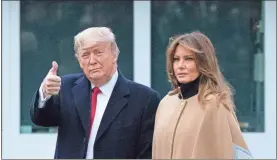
99	114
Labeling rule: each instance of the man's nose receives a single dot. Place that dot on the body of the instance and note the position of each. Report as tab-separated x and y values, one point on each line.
92	59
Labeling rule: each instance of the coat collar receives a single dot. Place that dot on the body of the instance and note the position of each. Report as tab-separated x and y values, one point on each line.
81	96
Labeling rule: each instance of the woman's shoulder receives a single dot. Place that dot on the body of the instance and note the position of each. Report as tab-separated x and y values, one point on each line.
216	113
214	105
169	98
166	106
168	101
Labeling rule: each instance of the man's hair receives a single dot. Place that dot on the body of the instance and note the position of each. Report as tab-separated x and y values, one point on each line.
95	34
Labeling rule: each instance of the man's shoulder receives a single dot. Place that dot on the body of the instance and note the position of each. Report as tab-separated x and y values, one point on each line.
144	93
70	78
139	87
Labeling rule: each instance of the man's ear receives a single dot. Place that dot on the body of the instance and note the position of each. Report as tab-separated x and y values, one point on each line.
80	64
115	58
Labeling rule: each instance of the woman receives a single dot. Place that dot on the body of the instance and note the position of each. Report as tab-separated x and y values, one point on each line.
196	119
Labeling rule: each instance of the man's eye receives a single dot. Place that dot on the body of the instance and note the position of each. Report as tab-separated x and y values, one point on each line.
85	55
98	53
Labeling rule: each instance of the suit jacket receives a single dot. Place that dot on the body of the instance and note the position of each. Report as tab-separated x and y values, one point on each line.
191	130
125	131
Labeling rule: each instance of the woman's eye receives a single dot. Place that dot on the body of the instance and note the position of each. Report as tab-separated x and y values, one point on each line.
189	59
175	59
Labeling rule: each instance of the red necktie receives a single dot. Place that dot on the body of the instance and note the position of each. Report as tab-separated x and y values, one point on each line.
94	94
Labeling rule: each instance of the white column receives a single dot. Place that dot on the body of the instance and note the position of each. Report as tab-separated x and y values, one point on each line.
263	145
142	42
16	145
270	77
10	72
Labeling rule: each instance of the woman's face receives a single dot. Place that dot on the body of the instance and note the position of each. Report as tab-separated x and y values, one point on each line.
184	65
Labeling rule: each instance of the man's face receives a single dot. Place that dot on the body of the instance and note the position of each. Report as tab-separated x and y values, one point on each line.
98	61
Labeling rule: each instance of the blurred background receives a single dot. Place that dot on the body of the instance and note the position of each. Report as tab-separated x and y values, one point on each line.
37	32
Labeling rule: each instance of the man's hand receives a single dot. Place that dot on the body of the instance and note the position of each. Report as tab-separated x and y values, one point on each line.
51	84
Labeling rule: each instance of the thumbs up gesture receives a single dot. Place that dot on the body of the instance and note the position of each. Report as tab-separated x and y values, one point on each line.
51	84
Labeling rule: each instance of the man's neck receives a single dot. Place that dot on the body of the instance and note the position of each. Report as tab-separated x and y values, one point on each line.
101	82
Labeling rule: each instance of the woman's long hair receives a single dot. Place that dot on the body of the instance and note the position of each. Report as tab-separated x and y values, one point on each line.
212	82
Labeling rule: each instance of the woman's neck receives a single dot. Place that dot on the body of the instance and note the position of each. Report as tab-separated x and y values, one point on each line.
189	89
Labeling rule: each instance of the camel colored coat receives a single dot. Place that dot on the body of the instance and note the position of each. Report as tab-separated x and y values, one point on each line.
188	130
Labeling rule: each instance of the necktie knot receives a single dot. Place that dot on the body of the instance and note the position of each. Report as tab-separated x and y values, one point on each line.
96	91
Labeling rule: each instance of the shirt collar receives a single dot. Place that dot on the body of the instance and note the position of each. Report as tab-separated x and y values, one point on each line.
107	88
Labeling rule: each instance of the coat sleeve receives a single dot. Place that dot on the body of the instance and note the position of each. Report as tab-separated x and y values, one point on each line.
214	139
144	149
154	147
48	116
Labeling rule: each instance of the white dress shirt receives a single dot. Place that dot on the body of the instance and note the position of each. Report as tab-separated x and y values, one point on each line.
102	101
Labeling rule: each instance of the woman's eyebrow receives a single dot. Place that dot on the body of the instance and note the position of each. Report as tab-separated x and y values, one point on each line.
188	56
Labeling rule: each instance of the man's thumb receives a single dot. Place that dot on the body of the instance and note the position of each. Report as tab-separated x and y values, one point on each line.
54	68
